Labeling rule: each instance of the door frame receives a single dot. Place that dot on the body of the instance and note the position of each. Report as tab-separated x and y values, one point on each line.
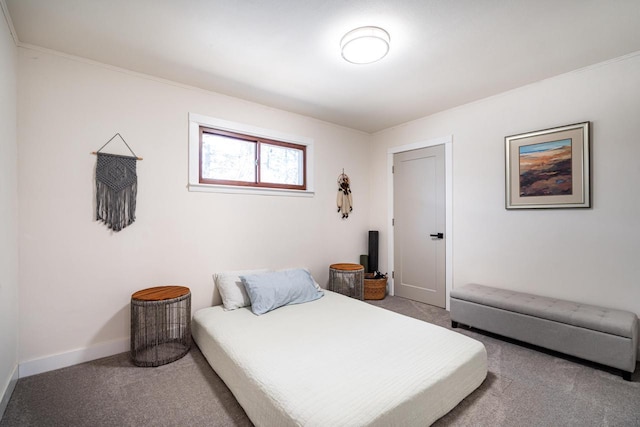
447	141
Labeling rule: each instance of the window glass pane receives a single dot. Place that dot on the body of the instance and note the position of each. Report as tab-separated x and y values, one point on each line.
228	159
281	165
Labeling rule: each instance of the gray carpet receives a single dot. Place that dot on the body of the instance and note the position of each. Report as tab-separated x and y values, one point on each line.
524	387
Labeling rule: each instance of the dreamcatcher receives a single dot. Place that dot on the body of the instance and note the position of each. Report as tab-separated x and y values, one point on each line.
344	199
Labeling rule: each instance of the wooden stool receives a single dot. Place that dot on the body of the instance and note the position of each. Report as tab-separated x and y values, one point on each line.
347	279
160	325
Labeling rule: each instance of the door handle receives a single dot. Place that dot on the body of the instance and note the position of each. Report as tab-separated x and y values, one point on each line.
437	235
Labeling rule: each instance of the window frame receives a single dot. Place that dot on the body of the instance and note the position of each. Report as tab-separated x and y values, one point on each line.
257	159
198	121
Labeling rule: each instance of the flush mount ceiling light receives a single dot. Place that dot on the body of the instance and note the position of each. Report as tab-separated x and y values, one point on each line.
365	45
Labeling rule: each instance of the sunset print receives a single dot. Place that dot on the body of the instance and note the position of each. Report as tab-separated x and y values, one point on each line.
545	169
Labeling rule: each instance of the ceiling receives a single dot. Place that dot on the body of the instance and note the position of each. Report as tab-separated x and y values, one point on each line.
285	53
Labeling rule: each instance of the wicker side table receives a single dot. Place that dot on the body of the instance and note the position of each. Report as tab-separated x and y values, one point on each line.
347	279
160	325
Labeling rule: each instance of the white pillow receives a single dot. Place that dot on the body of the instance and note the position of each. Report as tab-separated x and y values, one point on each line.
231	288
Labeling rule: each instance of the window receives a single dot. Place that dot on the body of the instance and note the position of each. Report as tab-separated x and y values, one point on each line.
232	157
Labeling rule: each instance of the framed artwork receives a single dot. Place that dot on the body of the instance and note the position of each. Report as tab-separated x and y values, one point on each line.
548	168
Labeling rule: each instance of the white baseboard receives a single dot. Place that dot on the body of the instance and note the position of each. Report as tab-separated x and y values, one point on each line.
62	360
6	395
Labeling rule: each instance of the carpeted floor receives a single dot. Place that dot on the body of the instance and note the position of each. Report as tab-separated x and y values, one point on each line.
524	387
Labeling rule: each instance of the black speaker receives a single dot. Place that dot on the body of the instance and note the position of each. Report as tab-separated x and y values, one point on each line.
373	251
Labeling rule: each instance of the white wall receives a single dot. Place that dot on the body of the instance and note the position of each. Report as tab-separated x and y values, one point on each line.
76	277
8	215
586	255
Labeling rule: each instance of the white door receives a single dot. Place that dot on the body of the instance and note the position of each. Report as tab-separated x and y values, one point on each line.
419	225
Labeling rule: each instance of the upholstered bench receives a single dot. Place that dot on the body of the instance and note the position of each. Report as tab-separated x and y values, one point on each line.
601	335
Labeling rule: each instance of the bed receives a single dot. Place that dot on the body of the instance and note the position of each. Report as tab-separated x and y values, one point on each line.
337	361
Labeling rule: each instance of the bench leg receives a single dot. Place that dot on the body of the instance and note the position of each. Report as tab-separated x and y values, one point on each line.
454	324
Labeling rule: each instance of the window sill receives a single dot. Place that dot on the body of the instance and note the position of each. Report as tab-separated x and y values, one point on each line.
232	189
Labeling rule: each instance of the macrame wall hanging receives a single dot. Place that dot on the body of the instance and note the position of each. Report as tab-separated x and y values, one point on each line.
344	200
116	187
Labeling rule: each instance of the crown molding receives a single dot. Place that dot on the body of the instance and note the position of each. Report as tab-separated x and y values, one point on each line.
7	18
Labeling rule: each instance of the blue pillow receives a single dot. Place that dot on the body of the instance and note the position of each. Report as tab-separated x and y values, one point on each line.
268	291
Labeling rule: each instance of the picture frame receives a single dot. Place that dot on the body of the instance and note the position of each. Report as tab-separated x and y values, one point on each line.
549	168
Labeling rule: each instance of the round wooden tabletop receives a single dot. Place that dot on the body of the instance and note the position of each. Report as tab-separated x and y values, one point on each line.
346	267
160	293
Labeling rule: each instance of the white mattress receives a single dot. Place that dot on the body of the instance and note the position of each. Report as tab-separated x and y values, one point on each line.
337	361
